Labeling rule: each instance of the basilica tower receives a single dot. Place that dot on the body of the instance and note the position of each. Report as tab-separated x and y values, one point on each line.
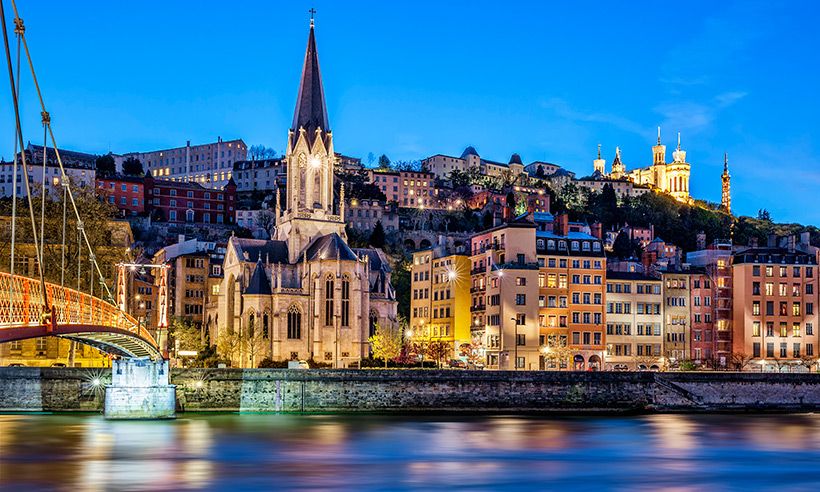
310	163
726	181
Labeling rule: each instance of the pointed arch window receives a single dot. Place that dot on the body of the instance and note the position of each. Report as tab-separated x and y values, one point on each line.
374	322
294	322
265	326
345	301
251	324
329	285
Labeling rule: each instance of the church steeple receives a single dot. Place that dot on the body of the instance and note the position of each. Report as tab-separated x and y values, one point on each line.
311	111
726	182
659	152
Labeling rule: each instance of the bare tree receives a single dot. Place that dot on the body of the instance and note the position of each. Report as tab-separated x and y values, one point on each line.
266	220
740	360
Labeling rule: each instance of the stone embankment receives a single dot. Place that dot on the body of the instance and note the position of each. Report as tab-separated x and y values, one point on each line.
280	390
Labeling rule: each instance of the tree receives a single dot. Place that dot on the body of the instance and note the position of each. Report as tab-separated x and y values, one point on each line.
386	343
371	158
763	214
473	351
186	335
384	162
266	220
556	352
228	344
106	166
377	236
132	167
740	360
254	341
624	247
440	350
539	171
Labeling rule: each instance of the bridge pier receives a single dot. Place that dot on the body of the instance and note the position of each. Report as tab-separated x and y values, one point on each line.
140	389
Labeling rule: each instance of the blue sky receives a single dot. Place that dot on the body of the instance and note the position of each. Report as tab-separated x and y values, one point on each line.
548	80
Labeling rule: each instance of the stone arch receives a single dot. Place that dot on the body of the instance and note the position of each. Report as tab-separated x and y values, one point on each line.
294	322
409	244
330	294
345	300
425	243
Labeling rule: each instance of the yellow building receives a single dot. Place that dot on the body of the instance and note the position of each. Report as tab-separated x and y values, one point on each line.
440	299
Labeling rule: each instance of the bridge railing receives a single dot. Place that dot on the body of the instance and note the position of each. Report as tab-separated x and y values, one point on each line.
21	304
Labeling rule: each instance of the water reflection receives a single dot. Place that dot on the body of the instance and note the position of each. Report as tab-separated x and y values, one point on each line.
246	452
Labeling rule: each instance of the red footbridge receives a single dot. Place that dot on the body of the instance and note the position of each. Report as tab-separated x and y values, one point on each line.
71	314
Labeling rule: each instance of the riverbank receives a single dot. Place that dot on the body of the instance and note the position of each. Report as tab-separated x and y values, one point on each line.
25	389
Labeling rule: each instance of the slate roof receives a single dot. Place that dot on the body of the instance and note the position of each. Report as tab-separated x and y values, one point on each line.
261	249
330	247
469	151
259	283
376	258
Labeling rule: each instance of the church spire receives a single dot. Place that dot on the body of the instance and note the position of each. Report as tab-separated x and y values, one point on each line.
311	112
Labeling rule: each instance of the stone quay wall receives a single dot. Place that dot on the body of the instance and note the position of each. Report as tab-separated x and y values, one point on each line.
25	389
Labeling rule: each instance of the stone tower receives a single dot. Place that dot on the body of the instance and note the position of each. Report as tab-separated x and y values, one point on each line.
726	180
310	163
599	165
618	168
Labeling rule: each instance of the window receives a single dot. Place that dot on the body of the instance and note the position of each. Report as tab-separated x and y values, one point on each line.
520	339
520	299
520	281
329	301
770	349
520	319
346	301
294	323
756	350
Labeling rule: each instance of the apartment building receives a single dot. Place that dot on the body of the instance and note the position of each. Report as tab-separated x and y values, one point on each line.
775	304
80	168
177	201
210	164
634	322
440	301
677	320
716	261
408	189
504	287
702	315
127	193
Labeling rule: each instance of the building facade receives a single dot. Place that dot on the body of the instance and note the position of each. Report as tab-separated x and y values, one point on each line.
409	189
305	294
210	164
181	202
80	169
677	317
775	301
127	193
634	322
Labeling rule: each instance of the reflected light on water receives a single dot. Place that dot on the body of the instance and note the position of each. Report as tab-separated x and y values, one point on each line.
356	452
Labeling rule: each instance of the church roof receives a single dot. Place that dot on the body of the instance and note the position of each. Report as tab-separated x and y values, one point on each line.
261	249
259	283
311	112
469	151
330	247
376	258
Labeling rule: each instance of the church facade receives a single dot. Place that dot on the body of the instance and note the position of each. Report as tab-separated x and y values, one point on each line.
305	294
668	177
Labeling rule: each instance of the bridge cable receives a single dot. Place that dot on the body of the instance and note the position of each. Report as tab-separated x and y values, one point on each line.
43	194
19	24
14	175
62	256
46	118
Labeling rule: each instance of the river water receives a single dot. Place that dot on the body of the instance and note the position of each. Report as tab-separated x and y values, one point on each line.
370	452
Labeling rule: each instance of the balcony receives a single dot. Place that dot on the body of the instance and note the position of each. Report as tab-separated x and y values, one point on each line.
533	265
479	270
480	307
473	290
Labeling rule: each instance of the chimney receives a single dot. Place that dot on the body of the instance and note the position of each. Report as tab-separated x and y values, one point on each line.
561	227
596	229
701	241
805	238
792	239
181	238
771	241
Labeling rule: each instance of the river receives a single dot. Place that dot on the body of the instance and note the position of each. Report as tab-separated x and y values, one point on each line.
372	452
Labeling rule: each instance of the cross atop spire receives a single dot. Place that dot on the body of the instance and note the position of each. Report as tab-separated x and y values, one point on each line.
678	140
725	163
312	12
659	135
599	151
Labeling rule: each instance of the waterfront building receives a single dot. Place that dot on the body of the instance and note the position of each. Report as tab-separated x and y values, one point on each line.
127	193
702	333
716	261
210	164
305	294
634	322
80	168
189	202
408	189
775	304
572	270
440	301
676	316
504	286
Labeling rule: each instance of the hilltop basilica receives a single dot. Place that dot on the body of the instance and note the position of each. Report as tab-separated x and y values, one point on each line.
305	294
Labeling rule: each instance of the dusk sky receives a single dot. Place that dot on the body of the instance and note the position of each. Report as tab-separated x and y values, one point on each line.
411	79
